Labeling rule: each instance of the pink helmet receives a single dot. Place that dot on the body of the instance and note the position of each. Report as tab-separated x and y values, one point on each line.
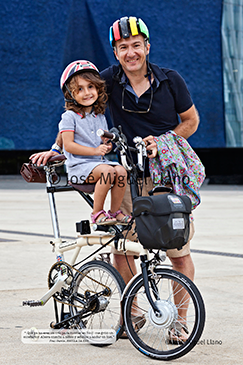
76	67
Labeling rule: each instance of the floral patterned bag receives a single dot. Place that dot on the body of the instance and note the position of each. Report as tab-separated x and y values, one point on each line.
177	164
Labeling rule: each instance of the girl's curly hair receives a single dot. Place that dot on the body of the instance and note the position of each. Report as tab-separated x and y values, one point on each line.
99	105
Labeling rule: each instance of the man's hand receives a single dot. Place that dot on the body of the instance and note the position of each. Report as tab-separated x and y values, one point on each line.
41	158
151	146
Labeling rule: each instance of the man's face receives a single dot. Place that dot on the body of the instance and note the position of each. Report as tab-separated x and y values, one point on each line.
131	53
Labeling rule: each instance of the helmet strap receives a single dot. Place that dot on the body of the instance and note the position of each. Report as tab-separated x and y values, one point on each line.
149	70
72	100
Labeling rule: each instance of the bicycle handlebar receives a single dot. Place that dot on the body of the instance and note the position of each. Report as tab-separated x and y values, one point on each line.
120	140
112	136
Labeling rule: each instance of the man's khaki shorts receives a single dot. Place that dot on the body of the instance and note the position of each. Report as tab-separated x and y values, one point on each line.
126	207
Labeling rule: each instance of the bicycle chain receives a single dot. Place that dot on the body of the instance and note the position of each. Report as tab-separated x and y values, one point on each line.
80	272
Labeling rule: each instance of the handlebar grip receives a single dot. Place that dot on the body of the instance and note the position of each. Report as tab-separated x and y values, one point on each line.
111	136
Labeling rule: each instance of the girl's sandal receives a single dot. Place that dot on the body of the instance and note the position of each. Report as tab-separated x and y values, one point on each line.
125	220
106	220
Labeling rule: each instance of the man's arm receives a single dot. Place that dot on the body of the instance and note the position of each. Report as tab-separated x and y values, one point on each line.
188	126
59	140
42	157
189	123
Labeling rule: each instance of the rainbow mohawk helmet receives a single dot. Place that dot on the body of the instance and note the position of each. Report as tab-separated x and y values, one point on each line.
124	27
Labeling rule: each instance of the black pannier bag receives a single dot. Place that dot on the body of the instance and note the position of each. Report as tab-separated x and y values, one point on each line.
162	221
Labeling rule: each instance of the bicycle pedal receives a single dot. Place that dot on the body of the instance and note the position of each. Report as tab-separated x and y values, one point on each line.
33	303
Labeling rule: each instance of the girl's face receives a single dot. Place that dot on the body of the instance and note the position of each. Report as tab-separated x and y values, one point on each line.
85	93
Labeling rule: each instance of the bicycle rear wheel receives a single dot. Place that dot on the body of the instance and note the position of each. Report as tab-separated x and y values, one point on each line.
96	275
180	303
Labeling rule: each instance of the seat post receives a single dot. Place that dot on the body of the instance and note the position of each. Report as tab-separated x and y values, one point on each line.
51	198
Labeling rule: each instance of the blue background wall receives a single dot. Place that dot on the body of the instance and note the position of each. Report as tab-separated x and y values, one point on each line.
39	38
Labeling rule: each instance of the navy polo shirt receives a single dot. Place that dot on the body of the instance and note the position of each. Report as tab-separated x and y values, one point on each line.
170	98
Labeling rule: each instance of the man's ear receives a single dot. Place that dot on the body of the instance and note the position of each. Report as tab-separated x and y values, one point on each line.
115	54
147	49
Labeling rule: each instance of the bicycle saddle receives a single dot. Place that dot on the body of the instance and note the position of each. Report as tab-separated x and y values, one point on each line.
57	158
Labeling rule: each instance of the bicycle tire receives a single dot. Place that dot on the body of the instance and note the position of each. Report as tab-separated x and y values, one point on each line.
111	317
153	338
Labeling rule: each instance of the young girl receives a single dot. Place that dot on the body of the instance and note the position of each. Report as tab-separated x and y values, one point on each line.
85	99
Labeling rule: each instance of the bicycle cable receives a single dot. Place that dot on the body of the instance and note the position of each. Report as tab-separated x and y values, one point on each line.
124	242
93	253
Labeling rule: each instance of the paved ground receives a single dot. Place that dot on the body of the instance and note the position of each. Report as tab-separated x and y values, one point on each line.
25	231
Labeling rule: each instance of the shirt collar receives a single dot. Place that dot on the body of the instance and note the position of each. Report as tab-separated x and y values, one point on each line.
158	74
92	114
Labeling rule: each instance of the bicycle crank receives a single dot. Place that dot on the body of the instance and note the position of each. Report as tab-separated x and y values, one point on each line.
63	269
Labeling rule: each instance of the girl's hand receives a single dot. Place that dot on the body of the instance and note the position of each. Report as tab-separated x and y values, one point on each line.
104	139
109	145
101	150
107	142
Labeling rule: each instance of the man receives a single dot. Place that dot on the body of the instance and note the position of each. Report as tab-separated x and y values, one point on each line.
146	101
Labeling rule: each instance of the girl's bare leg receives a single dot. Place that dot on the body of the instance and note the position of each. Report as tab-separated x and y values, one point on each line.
118	190
103	176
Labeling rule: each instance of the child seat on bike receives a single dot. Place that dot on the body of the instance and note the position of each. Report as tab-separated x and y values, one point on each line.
86	188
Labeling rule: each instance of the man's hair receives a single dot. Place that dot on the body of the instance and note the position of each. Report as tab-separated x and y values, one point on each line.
99	105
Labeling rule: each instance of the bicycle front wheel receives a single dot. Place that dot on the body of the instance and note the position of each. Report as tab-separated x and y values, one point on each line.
181	306
96	275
